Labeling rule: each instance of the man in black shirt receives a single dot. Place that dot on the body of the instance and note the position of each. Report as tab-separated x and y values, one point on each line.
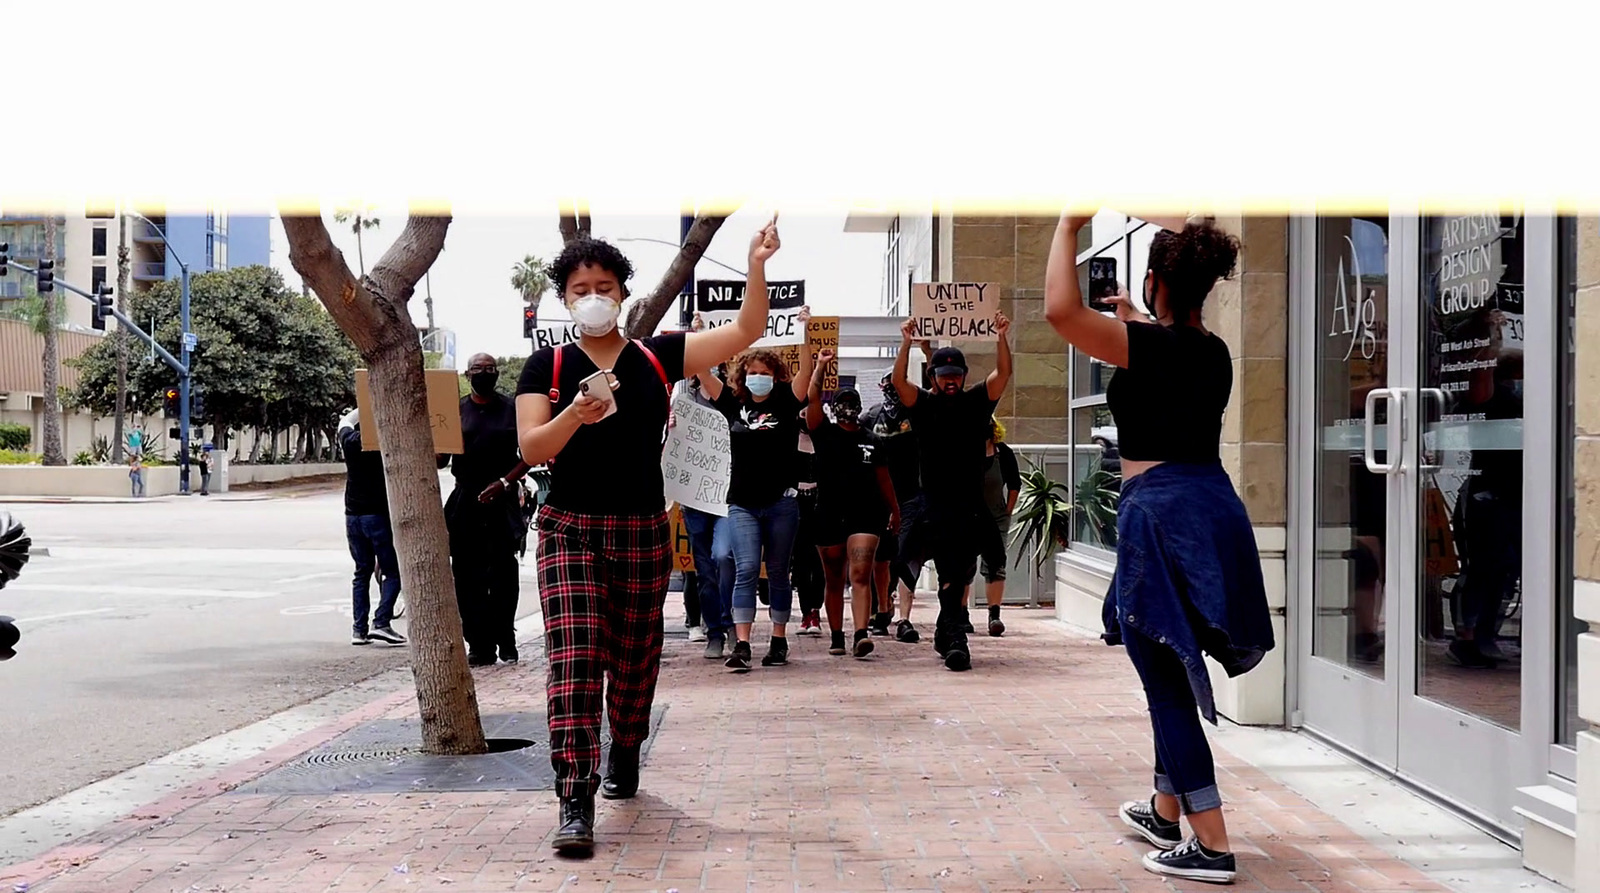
366	526
890	425
485	518
953	427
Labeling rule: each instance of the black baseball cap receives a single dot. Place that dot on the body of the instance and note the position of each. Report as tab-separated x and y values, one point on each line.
948	361
849	397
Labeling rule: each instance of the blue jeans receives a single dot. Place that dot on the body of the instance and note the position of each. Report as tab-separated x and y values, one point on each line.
1184	766
771	530
372	545
711	541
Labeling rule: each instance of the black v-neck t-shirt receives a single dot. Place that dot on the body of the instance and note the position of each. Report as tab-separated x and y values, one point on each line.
612	467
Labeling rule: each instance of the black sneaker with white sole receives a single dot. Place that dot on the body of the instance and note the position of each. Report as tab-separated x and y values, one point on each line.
388	635
360	639
739	660
777	652
907	633
1192	862
836	643
1141	816
863	645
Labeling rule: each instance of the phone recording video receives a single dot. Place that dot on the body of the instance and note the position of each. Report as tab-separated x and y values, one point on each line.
1102	283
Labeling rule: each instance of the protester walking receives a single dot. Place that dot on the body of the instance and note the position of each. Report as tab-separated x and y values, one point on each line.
856	505
763	408
899	565
604	549
1002	484
953	424
1198	588
711	543
370	537
136	474
484	517
805	568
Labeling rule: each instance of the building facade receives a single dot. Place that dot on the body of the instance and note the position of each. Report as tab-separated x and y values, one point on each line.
1415	430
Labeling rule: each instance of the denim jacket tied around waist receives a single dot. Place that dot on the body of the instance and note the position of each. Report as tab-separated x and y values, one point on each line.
1188	573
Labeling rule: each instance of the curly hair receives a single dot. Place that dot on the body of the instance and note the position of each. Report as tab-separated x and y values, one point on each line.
997	430
769	358
595	252
1191	262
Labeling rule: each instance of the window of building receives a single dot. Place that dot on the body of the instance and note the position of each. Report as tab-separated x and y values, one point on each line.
211	252
893	270
222	254
97	277
99	249
1569	628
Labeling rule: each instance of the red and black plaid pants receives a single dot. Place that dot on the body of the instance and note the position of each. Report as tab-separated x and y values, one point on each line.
602	582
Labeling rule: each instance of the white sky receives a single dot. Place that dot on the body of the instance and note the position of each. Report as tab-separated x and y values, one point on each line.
471	280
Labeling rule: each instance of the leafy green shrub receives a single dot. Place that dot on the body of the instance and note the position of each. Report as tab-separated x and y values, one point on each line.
15	437
17	457
84	457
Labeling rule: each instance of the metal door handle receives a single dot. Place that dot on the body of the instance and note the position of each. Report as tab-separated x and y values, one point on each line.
1369	429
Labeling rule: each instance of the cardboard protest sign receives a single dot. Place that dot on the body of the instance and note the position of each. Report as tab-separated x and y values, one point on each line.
444	410
955	311
821	334
682	550
719	300
697	460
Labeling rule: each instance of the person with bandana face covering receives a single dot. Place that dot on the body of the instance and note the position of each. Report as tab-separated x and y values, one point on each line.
898	562
855	506
605	542
485	518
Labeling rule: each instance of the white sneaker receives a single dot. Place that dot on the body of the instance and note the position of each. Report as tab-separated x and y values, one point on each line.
697	634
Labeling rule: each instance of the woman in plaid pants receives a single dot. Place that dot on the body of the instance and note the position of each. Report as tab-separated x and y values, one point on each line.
604	553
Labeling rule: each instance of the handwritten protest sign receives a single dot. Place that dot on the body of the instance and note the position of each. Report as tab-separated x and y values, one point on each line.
555	334
719	300
821	334
955	311
444	410
682	549
697	461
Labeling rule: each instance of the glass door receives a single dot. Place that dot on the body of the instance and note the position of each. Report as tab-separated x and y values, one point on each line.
1416	430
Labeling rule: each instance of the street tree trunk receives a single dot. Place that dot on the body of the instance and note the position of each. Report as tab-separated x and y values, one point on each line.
53	452
574	223
645	315
373	312
122	343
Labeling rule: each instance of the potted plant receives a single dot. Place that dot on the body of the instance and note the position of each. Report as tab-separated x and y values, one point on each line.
1048	510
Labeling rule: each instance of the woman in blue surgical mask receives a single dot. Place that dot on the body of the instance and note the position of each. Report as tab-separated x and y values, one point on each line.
763	402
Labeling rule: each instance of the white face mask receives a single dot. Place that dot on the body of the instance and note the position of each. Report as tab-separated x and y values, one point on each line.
595	314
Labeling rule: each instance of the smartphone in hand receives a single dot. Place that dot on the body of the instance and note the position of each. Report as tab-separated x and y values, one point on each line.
1102	283
599	387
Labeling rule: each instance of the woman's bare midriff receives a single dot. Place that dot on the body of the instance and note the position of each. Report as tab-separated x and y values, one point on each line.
1132	468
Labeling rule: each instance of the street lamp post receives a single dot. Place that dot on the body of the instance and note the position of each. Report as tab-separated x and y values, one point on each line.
187	345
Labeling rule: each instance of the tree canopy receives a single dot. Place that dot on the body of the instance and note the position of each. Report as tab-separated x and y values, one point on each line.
267	355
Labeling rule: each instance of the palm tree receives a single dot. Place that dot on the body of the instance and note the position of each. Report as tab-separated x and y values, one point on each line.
360	220
529	279
47	317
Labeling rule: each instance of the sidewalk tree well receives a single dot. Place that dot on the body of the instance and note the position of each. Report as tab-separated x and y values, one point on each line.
373	311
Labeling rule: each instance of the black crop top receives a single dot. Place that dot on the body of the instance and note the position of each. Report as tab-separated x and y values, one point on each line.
1168	402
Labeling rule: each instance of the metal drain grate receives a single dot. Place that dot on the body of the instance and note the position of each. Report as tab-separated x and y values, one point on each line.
382	757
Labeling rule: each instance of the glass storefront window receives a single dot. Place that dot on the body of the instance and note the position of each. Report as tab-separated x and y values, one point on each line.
1096	476
1469	622
1569	627
1352	359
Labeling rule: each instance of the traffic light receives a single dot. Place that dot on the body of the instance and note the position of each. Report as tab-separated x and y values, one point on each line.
5	258
102	306
46	276
530	320
197	403
170	407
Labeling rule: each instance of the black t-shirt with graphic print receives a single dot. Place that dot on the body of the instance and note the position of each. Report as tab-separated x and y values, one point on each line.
764	437
612	467
847	468
952	437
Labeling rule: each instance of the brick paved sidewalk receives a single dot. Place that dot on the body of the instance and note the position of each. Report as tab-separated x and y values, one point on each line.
829	774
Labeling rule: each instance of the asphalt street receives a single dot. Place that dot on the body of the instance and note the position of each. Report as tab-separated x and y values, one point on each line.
152	626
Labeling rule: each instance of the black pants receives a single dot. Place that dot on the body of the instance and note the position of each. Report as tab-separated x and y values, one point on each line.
483	560
805	565
954	538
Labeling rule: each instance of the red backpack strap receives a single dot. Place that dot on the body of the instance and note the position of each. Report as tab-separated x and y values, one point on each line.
660	369
555	376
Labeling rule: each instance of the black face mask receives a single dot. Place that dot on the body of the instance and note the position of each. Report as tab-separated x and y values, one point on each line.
483	382
891	397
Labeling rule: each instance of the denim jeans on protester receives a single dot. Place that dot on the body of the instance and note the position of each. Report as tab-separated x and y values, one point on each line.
1184	766
711	541
372	545
767	531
